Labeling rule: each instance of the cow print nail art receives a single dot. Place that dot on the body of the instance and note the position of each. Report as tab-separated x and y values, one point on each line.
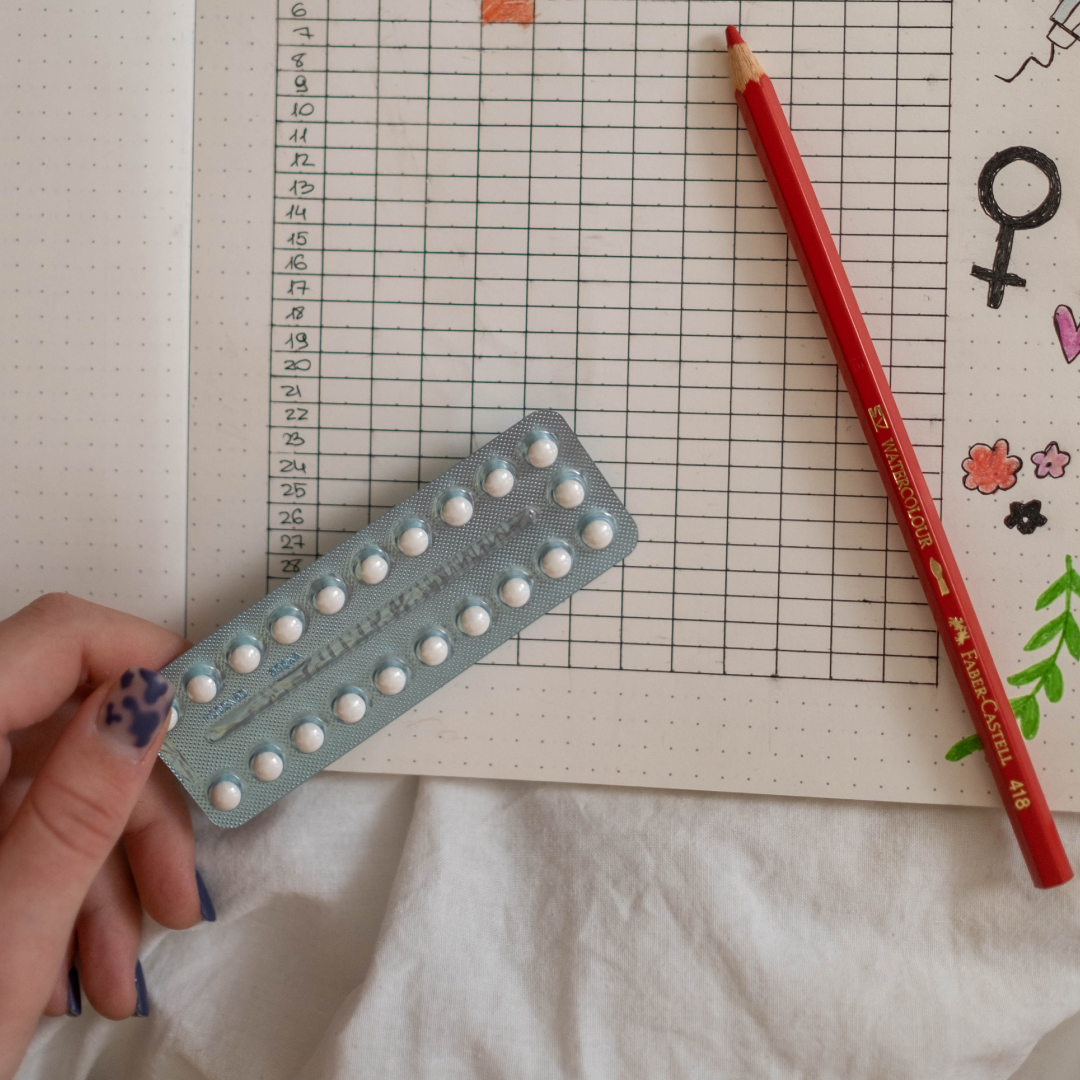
138	707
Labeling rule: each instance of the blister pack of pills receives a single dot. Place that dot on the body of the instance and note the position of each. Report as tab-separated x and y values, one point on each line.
375	626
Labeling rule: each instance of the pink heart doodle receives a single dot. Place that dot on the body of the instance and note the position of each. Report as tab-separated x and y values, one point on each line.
1068	332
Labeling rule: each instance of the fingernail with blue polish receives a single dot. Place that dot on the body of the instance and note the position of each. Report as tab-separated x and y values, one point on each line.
142	1002
74	994
134	711
206	905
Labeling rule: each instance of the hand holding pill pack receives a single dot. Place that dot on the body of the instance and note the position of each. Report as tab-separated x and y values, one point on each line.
375	626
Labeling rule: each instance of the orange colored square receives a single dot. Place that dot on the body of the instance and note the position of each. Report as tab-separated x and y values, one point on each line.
516	11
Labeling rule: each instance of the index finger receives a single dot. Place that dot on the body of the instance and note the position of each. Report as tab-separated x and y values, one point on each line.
59	643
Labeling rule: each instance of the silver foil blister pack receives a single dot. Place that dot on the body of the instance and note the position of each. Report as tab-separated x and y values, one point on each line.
372	628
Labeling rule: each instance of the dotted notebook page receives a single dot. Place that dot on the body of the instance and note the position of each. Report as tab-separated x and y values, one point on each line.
97	138
1012	436
478	211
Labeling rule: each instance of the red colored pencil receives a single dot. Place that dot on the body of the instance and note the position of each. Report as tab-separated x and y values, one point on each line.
905	485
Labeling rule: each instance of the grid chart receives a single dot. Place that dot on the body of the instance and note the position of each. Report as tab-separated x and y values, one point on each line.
475	221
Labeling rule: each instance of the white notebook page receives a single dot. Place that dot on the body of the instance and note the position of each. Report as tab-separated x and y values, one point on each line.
96	233
472	220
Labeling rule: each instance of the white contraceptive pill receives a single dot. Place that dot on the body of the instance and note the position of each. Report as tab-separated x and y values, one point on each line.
543	452
245	658
457	510
364	633
373	569
287	629
225	795
556	562
391	680
267	765
350	708
433	650
330	599
515	592
598	534
499	483
475	620
308	737
414	540
174	716
202	688
569	493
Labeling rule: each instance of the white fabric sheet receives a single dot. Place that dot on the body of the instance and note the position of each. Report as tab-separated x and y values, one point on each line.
393	927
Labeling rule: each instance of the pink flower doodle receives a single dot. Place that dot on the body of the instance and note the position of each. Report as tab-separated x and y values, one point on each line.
990	469
1051	462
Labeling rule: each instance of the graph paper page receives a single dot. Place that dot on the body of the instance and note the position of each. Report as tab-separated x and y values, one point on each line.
456	221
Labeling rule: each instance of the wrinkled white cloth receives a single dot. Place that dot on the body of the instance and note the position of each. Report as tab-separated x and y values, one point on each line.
399	928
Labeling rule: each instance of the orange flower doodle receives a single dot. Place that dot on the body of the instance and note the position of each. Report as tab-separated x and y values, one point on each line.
990	469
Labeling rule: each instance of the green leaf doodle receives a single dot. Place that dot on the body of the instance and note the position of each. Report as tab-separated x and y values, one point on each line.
964	747
1051	594
1029	674
1053	684
1026	710
1072	637
1045	675
1046	634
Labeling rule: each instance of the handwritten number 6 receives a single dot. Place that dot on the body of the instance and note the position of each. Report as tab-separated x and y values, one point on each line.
299	11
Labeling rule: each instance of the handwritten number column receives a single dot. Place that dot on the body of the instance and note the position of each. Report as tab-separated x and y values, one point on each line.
297	287
352	115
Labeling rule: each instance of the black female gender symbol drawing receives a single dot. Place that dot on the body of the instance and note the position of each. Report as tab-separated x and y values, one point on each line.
999	276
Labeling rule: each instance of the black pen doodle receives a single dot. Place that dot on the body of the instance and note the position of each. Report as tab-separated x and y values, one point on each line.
1025	517
998	276
1064	31
1032	59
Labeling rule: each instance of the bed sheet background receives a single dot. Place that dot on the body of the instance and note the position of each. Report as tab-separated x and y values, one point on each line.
393	926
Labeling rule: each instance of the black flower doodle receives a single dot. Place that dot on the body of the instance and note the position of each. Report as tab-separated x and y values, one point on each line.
1025	517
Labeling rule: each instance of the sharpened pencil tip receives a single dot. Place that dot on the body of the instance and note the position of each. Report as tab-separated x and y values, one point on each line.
744	65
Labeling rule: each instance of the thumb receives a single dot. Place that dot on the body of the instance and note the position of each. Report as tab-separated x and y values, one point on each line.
72	817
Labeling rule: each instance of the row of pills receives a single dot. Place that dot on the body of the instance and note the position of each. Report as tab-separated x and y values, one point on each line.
203	682
287	625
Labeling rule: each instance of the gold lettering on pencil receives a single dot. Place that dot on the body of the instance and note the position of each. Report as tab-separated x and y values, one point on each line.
877	417
939	577
910	501
960	629
987	705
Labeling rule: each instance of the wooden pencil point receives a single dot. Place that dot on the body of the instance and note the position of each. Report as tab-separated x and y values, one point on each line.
745	68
